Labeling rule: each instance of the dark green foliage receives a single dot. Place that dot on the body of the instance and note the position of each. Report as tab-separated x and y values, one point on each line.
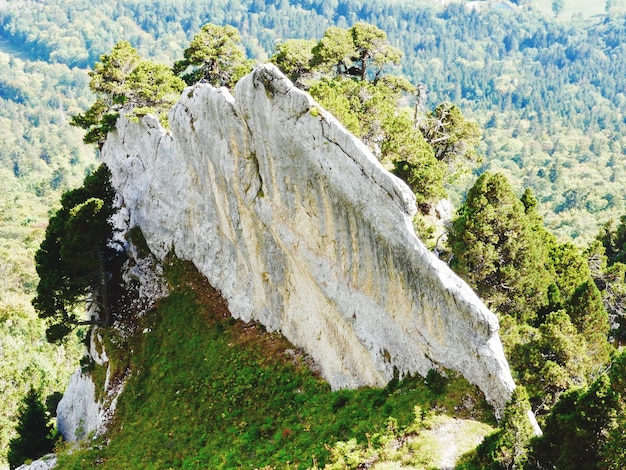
354	51
507	447
586	428
370	109
294	57
496	248
550	360
109	83
613	238
605	256
436	382
153	86
555	326
368	104
34	430
569	266
612	282
333	53
591	320
371	50
215	55
52	402
75	257
576	430
451	135
371	113
110	74
98	121
613	450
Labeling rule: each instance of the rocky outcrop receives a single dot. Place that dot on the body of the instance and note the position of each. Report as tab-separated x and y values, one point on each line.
86	407
301	229
47	462
79	413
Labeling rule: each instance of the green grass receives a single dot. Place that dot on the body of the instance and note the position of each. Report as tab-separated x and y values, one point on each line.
207	391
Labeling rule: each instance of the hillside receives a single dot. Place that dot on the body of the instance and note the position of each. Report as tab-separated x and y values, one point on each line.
208	391
548	94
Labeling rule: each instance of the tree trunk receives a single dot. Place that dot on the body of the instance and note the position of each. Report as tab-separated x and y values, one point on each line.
103	290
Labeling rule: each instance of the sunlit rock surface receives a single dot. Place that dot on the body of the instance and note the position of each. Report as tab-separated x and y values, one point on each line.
46	462
78	412
301	229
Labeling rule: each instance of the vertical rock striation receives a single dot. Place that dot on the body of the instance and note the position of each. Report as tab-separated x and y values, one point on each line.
301	229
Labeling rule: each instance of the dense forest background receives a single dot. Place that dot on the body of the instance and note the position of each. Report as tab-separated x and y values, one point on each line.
547	88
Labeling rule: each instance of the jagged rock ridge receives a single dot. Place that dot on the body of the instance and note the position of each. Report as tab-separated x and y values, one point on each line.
301	229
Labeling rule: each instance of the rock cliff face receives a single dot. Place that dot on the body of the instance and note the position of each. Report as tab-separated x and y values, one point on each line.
301	229
79	413
87	407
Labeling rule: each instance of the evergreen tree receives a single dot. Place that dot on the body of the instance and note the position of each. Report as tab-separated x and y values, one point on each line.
356	91
355	51
549	360
612	283
109	84
498	250
372	50
371	112
334	52
606	255
576	430
591	319
570	267
293	57
613	450
153	86
121	80
75	259
507	448
613	238
216	55
33	428
451	135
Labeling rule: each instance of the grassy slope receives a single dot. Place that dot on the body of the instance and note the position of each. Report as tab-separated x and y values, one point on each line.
207	391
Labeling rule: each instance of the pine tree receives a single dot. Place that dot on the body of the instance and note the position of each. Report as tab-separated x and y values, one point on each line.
33	428
216	55
591	320
576	430
121	80
75	259
550	359
613	450
507	448
498	250
293	57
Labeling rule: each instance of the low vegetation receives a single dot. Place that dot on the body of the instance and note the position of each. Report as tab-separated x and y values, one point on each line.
208	391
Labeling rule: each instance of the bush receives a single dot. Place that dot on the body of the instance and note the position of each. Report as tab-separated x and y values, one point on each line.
436	382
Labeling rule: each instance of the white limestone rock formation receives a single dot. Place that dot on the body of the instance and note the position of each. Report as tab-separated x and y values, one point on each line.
79	413
47	462
301	229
